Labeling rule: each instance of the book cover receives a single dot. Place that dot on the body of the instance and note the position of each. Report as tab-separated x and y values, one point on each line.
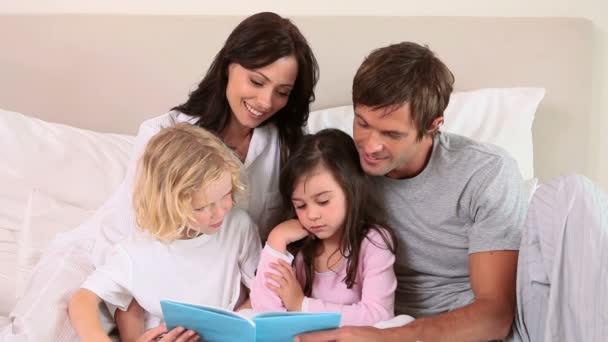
219	325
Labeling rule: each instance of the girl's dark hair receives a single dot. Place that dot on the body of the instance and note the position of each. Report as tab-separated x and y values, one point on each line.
258	41
336	152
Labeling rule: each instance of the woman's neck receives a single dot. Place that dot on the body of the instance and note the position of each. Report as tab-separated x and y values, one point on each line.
237	137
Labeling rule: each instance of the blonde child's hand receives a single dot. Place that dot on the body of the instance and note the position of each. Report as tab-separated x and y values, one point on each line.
160	334
289	289
286	233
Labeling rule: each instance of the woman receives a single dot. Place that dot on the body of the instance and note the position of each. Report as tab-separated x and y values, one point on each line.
255	96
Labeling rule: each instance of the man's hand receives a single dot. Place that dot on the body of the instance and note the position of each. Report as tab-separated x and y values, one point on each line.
344	334
289	289
160	334
286	233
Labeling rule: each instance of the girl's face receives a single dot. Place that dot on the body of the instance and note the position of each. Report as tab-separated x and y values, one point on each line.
256	95
211	203
320	204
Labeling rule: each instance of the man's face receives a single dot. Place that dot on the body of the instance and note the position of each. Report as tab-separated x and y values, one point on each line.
386	141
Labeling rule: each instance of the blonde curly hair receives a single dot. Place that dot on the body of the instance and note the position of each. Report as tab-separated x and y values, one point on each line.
178	161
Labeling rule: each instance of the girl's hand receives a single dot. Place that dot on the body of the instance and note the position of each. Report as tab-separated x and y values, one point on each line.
286	233
160	334
289	289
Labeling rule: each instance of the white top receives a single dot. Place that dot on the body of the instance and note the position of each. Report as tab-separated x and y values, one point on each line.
116	218
206	270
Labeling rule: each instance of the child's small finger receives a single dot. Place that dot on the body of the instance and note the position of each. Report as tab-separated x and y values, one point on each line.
280	268
284	263
272	288
275	277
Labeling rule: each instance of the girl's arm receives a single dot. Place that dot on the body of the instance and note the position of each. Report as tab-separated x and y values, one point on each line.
263	298
286	233
378	287
83	310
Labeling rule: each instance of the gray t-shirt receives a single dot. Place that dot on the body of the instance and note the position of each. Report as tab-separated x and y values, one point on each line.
469	198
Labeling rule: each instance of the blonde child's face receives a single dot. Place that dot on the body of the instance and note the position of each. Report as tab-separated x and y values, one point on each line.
211	203
320	204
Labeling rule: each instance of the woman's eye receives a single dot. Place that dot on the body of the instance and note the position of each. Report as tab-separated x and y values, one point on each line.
256	83
323	202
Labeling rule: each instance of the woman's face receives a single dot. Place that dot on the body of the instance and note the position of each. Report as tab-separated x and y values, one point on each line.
256	95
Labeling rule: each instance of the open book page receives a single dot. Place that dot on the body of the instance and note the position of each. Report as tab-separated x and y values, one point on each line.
213	324
247	313
397	321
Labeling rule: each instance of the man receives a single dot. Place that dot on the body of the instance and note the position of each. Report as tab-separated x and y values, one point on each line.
457	206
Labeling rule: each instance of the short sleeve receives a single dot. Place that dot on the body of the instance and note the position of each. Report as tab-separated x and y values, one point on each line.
249	255
112	282
498	208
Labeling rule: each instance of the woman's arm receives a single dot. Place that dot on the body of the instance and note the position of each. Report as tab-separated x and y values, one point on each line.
83	310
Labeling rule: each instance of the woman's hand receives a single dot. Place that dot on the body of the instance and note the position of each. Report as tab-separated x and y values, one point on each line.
289	289
160	334
286	233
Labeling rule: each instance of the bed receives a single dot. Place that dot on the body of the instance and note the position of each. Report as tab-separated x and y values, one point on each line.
75	87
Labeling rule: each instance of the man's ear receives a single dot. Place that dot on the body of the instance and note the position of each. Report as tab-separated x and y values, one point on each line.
435	125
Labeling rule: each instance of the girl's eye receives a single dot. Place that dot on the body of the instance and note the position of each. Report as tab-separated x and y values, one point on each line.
299	207
323	202
202	209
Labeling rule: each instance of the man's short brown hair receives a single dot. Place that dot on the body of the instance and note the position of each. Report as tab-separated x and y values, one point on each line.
405	73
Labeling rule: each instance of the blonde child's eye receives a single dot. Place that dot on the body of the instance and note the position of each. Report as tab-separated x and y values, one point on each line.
201	209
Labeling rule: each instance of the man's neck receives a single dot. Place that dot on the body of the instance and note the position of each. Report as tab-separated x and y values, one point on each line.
417	164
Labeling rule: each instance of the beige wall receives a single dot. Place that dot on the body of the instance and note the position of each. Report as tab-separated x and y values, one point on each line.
595	10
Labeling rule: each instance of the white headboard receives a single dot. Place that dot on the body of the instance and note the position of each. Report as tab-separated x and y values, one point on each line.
109	72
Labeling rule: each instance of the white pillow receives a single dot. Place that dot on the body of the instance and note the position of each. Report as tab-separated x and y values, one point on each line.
75	165
8	270
45	218
501	116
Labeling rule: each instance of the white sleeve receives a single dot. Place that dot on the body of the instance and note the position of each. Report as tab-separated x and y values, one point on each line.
249	255
113	282
117	217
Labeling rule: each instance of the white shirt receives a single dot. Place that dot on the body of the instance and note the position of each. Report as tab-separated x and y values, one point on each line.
116	218
206	270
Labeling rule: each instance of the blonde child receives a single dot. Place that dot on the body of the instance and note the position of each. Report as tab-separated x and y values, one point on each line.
343	247
193	245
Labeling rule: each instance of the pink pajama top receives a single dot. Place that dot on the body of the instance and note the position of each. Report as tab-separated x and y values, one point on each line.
368	301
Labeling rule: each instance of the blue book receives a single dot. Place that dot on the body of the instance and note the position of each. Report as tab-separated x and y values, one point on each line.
219	325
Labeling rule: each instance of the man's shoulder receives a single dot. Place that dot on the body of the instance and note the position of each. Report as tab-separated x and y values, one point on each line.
464	150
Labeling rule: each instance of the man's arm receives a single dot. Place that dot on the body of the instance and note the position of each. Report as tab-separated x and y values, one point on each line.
489	317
